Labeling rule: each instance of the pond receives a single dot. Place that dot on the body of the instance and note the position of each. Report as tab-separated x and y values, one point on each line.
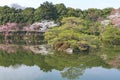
24	62
24	72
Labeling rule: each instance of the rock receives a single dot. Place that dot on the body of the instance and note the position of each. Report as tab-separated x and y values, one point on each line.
104	57
69	50
40	49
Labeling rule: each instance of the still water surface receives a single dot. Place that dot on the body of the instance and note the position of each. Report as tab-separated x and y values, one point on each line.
24	72
19	63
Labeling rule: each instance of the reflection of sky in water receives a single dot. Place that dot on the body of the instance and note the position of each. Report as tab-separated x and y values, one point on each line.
27	73
34	73
99	73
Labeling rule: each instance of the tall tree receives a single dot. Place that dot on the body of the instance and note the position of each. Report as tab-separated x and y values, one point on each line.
106	12
46	11
28	14
92	14
70	12
61	10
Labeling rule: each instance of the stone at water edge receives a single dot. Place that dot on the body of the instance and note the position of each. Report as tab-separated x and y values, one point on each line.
69	50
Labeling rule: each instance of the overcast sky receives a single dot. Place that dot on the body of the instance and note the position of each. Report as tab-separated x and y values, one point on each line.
81	4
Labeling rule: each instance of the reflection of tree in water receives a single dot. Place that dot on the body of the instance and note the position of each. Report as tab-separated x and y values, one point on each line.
49	62
16	66
36	49
73	73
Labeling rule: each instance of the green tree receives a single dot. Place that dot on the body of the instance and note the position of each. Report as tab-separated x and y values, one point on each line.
61	10
92	14
5	13
106	12
70	12
111	35
46	11
71	34
28	14
78	13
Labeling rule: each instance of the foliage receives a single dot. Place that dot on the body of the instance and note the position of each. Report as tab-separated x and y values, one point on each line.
80	29
28	14
111	36
61	10
48	62
46	11
49	11
71	32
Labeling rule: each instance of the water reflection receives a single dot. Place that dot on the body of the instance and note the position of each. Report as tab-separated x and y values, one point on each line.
24	62
36	49
73	73
27	73
99	73
24	72
46	67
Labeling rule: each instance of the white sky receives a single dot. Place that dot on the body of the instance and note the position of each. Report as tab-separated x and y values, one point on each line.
81	4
